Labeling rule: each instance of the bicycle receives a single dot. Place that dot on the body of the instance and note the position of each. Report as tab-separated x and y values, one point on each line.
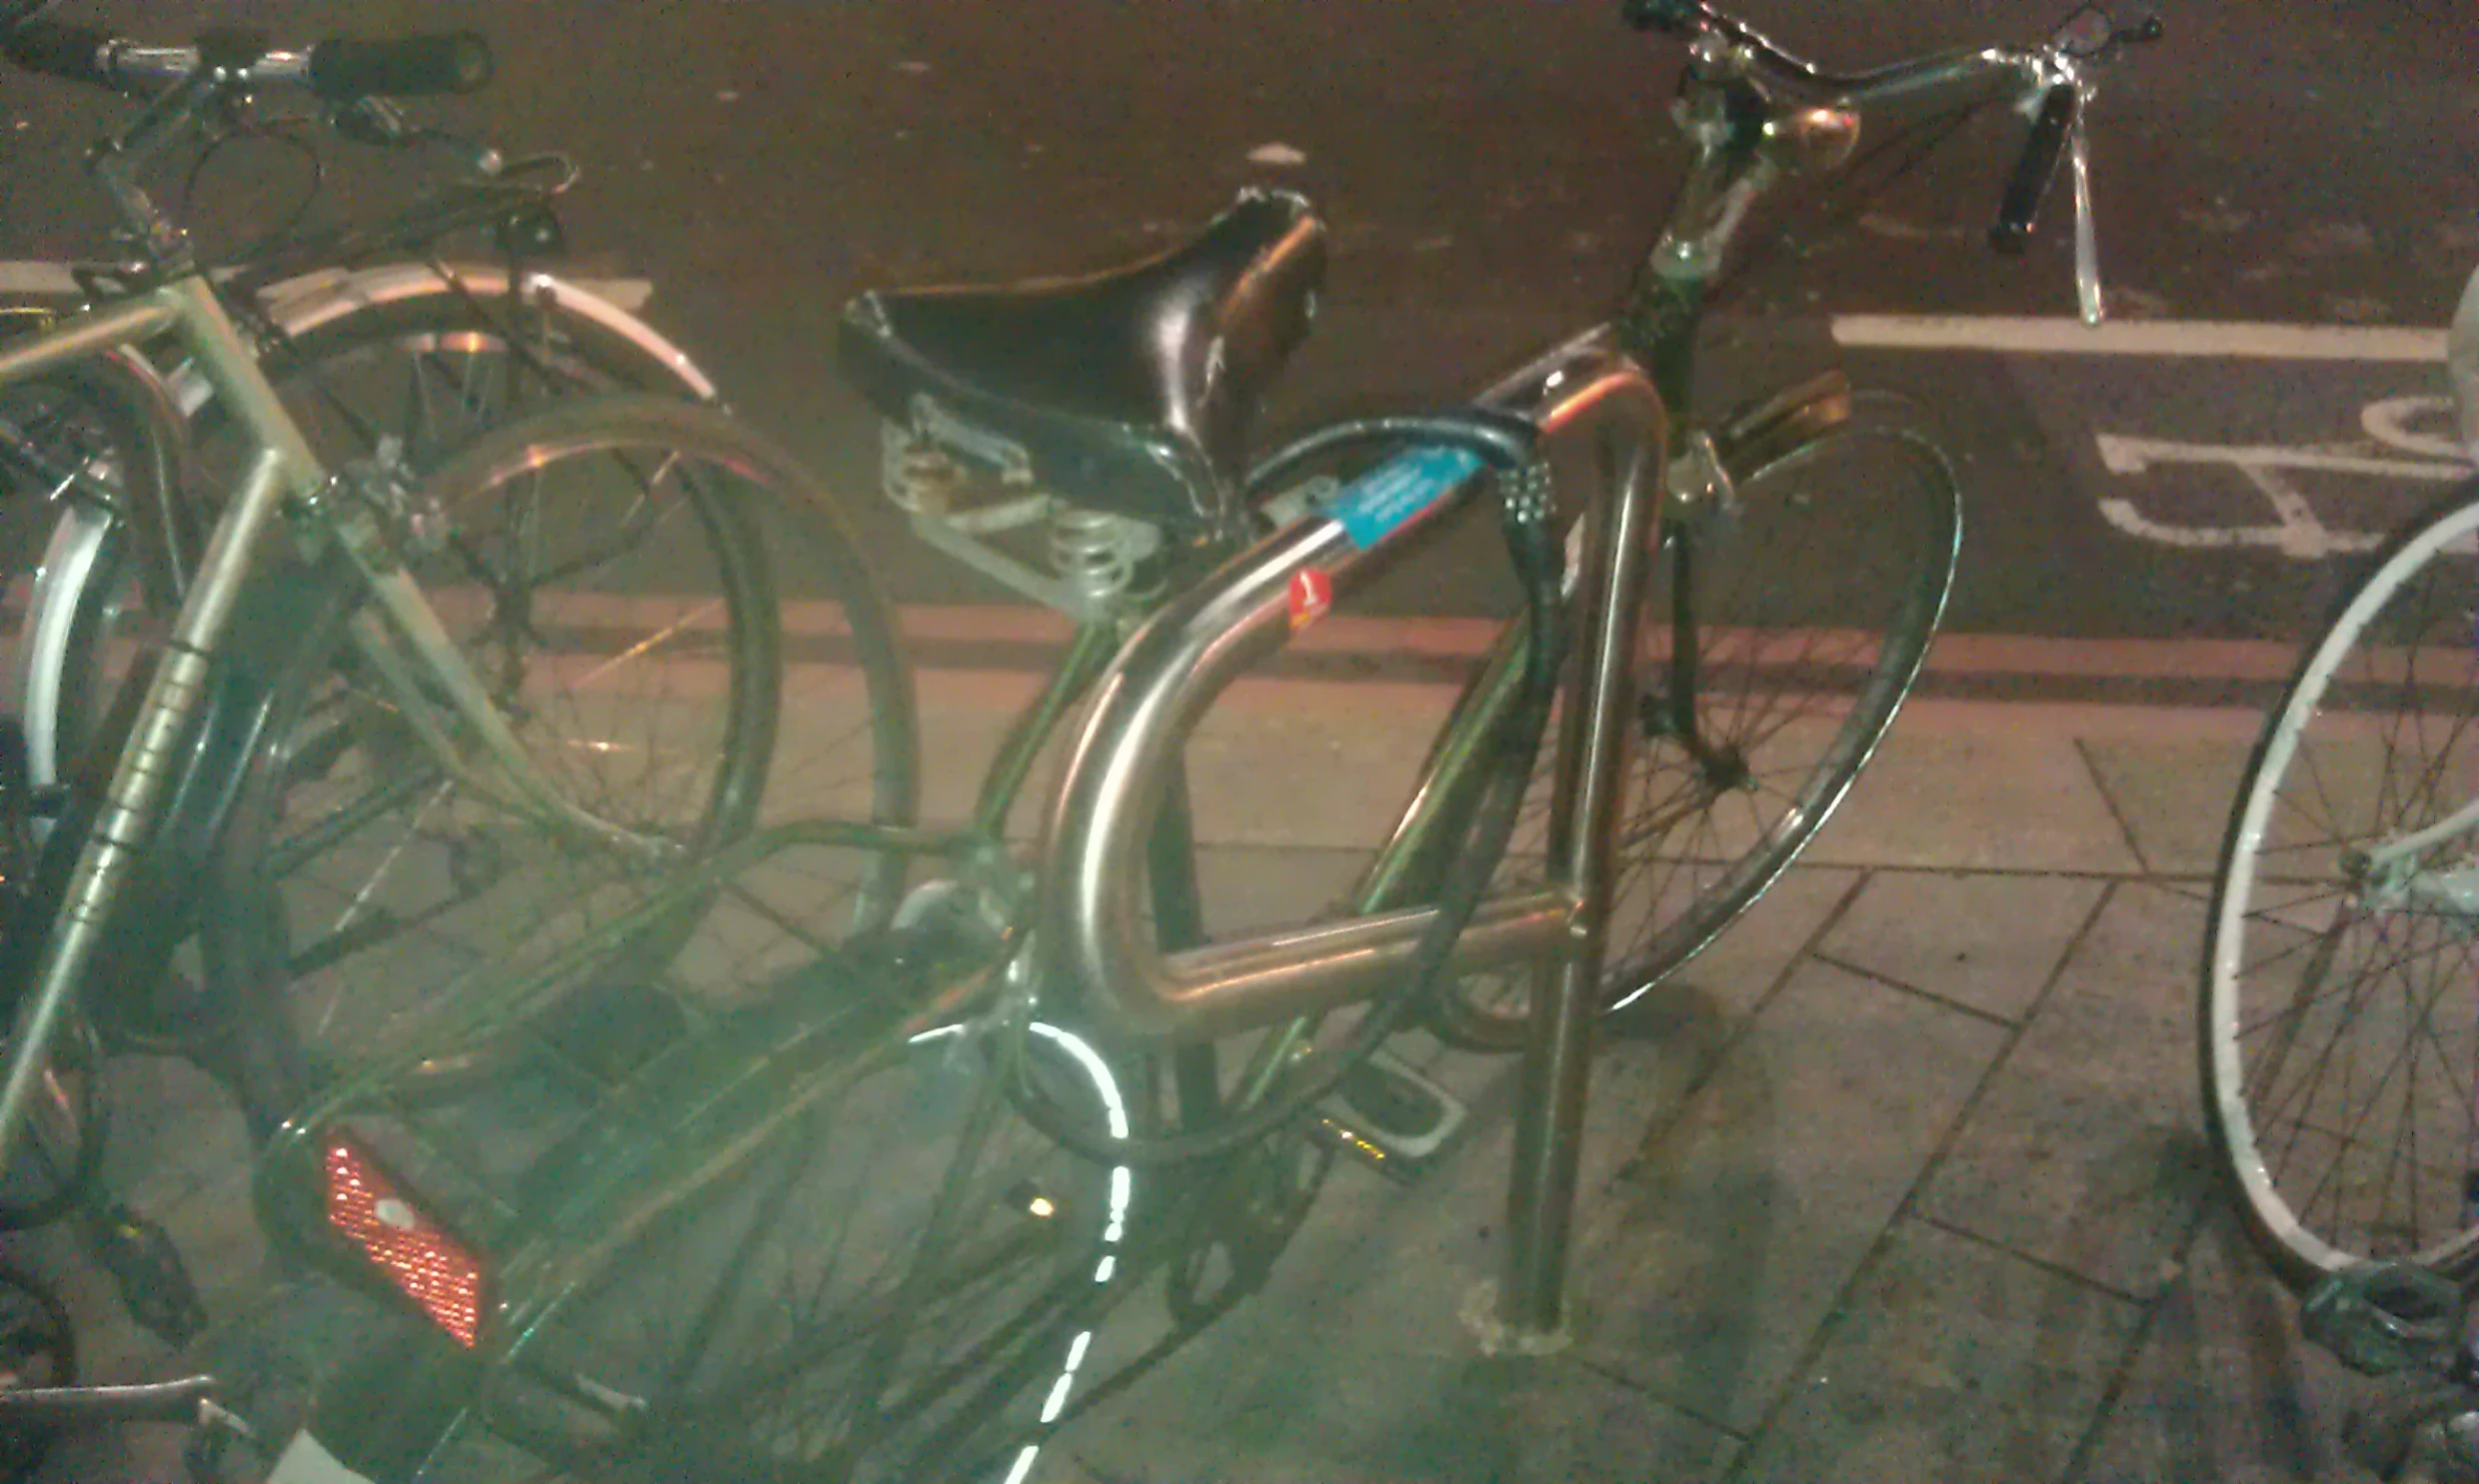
904	1202
2334	1040
380	356
371	345
445	697
387	349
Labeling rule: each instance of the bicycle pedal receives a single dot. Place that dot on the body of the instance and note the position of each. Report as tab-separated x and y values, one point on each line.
154	1283
1390	1118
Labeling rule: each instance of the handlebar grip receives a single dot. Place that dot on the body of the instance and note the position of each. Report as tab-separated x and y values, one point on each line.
2033	172
57	49
407	67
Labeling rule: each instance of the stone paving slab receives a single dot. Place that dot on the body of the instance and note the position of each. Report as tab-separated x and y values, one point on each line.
1975	801
1356	1364
1950	1360
2086	1150
1985	942
1734	1228
2175	798
2223	1386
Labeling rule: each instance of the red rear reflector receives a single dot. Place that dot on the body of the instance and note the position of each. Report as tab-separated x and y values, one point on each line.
416	1255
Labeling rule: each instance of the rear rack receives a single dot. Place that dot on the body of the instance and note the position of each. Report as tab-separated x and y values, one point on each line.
497	1140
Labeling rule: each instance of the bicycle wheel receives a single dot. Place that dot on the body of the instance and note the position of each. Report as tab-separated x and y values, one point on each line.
1812	596
420	371
67	442
437	360
602	567
2339	1005
61	1146
904	1284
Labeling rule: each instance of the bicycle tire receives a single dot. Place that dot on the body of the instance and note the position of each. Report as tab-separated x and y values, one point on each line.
65	1135
1671	898
2287	899
65	422
282	853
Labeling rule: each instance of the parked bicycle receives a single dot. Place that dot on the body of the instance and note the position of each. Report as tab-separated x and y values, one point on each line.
384	349
906	1178
2338	1036
2338	1026
558	554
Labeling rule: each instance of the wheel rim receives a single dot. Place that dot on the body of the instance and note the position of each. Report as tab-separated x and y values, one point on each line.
1800	747
2301	956
681	750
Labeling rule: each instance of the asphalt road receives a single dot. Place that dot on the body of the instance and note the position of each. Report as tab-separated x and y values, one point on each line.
1489	169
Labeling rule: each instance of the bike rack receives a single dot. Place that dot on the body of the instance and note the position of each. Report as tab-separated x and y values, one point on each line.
1119	771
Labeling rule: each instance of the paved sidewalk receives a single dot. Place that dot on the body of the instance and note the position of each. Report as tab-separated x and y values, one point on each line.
1903	1181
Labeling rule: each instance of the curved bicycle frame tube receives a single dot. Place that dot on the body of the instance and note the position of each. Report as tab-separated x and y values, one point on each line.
1167	678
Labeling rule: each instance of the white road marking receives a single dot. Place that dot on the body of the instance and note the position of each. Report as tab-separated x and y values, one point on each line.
46	279
2029	335
2272	470
53	281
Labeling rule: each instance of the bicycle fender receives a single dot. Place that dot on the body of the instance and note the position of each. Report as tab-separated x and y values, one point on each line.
313	301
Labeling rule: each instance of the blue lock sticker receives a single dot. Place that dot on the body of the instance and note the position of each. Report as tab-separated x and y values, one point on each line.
1372	506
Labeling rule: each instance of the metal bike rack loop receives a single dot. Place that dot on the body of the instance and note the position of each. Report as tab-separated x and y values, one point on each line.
1168	675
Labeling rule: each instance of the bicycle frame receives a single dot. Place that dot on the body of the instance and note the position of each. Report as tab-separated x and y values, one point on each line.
397	633
1620	384
1119	808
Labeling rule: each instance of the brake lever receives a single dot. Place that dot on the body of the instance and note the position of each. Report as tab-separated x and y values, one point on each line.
2076	57
380	124
2088	300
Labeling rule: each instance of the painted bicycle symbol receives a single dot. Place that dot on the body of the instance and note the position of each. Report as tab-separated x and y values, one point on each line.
2407	439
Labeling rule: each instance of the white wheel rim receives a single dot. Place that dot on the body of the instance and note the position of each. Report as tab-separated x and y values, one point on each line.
2229	939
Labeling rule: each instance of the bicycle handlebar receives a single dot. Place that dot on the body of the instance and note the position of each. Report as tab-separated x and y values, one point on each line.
406	67
339	71
2051	74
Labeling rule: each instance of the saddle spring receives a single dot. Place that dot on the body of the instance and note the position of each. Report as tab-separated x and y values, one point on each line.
963	486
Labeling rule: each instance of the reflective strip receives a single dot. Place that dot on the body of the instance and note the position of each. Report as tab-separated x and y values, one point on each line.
305	1461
